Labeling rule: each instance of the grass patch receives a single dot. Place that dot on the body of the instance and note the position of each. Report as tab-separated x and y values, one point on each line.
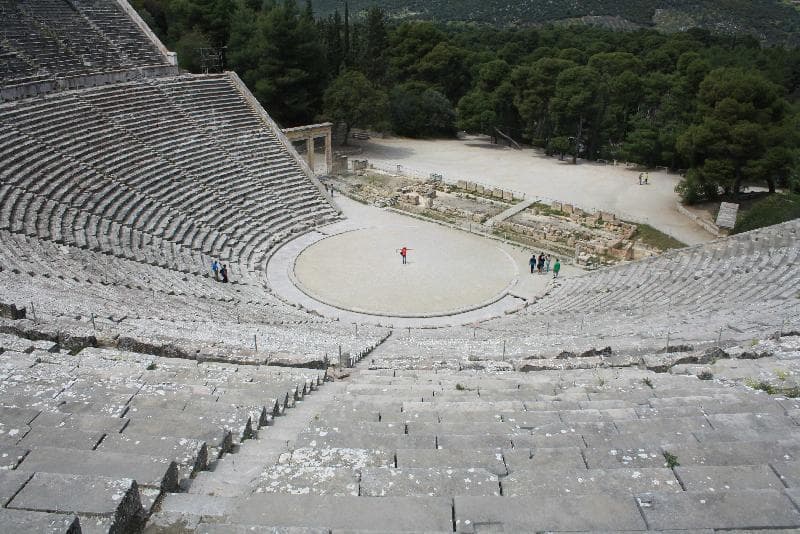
655	238
647	382
151	366
771	389
774	209
545	209
671	459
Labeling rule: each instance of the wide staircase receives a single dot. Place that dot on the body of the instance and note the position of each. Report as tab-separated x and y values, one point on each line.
602	450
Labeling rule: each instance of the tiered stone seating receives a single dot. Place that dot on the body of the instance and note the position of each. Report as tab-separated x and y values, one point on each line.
55	38
553	451
102	434
162	172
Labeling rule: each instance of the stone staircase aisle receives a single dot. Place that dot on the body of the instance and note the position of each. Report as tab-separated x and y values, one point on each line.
442	451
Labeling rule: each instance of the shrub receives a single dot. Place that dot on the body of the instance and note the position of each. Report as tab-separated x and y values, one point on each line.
774	209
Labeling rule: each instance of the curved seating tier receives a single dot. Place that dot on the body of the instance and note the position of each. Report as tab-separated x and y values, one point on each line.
140	163
45	39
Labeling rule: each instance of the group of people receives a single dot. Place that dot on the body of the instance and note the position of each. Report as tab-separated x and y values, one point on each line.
220	271
644	178
542	264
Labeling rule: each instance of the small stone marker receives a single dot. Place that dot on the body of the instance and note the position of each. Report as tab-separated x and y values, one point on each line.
726	218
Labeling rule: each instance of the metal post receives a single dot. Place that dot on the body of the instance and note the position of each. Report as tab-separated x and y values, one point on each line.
504	350
255	342
666	351
340	356
93	325
33	311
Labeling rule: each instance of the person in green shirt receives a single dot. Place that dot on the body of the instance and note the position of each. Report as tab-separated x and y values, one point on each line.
556	268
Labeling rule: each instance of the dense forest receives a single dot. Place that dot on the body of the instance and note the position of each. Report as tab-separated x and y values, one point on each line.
723	108
770	21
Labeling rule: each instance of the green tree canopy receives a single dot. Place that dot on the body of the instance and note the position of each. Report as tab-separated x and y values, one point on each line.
354	101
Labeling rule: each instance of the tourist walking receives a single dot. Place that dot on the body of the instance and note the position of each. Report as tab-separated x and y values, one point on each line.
640	177
404	253
540	263
223	272
547	263
532	262
646	178
556	268
215	269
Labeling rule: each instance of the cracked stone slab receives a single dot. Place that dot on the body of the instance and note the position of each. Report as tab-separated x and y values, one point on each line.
351	458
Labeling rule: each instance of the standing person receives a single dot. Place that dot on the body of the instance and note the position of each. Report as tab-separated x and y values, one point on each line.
404	253
540	264
224	273
532	262
646	178
556	268
640	178
215	269
547	263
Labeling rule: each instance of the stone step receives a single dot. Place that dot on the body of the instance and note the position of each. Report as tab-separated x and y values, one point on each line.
438	482
39	522
114	499
148	471
727	478
415	514
595	513
750	509
490	460
308	480
190	455
551	481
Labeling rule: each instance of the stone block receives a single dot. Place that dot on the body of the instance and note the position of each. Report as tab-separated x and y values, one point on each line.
537	514
190	455
551	481
751	509
461	184
490	460
417	514
65	438
557	206
727	478
113	498
497	192
508	196
444	482
480	189
306	480
567	208
341	457
40	522
148	471
789	472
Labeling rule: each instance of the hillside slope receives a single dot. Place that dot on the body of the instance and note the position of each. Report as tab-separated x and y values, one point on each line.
770	21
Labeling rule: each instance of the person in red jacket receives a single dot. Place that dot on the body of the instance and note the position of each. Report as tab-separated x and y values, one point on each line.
404	253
